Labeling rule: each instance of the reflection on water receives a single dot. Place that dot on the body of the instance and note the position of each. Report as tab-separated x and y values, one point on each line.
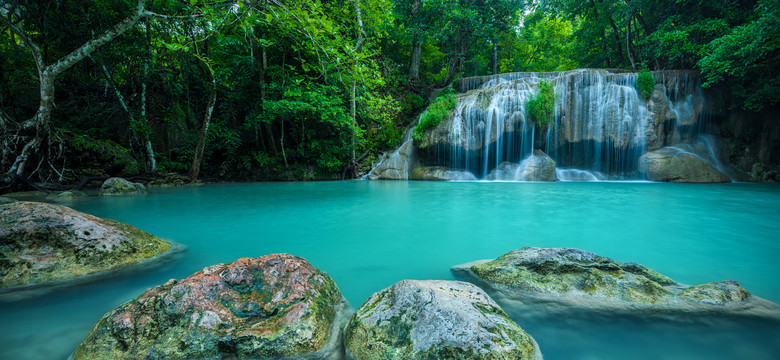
369	235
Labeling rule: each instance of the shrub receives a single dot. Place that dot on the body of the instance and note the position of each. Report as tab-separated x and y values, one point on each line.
645	82
437	111
541	107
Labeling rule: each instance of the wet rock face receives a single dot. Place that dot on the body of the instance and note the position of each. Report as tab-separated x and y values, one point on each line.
672	164
44	242
574	273
119	186
440	173
271	306
435	320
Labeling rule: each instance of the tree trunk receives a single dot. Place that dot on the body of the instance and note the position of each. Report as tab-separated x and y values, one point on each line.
628	45
151	162
495	59
413	79
204	129
48	74
352	101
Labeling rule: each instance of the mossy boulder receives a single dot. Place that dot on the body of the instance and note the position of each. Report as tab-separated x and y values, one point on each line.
435	320
267	307
440	173
41	242
581	278
673	164
119	187
5	200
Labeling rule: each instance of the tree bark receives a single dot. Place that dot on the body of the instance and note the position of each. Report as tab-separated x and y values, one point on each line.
47	75
629	49
151	162
495	59
413	79
204	129
352	101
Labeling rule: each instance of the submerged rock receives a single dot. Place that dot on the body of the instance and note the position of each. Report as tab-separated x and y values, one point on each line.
118	186
45	242
435	320
674	164
440	173
582	278
68	195
273	306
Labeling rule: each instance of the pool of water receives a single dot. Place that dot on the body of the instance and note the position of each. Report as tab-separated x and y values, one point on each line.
369	235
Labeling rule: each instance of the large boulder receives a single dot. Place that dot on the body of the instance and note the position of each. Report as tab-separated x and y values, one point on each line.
536	167
440	173
268	307
118	186
583	279
45	242
5	200
676	164
65	196
435	320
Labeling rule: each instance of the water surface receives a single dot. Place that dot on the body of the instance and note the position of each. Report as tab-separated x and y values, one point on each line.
369	235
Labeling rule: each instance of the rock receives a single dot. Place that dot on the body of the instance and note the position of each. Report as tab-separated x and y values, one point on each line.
394	165
170	179
673	164
440	173
537	167
268	307
44	242
5	200
118	186
583	279
435	320
68	195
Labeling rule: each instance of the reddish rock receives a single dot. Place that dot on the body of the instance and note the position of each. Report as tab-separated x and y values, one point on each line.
271	306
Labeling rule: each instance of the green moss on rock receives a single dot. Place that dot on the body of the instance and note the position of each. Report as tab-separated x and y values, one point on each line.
40	243
272	306
573	273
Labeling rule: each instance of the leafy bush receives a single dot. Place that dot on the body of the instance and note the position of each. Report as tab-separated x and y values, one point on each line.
437	111
645	83
541	107
117	158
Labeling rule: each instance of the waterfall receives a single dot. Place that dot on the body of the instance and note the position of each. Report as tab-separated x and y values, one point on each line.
601	126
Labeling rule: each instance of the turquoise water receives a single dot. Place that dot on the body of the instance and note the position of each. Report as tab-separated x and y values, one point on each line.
369	235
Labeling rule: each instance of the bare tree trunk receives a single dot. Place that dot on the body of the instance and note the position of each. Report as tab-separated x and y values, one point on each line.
495	59
151	162
413	79
352	102
198	158
628	44
47	76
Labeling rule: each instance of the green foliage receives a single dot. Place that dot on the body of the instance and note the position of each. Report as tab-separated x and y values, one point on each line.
541	107
438	110
112	155
645	82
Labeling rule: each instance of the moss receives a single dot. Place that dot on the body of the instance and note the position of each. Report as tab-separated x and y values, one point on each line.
438	110
645	83
541	107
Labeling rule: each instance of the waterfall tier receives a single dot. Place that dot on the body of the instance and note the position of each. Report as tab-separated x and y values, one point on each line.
601	125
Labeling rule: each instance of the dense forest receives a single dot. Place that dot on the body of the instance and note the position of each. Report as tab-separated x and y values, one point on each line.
316	89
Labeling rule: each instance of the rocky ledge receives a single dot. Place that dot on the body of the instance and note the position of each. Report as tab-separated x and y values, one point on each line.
268	307
435	320
41	243
583	279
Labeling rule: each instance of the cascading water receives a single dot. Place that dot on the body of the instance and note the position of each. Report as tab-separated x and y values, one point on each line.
601	125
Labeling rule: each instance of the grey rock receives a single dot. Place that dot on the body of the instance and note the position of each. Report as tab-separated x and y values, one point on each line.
537	167
435	320
41	243
68	195
118	186
675	164
5	200
580	278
